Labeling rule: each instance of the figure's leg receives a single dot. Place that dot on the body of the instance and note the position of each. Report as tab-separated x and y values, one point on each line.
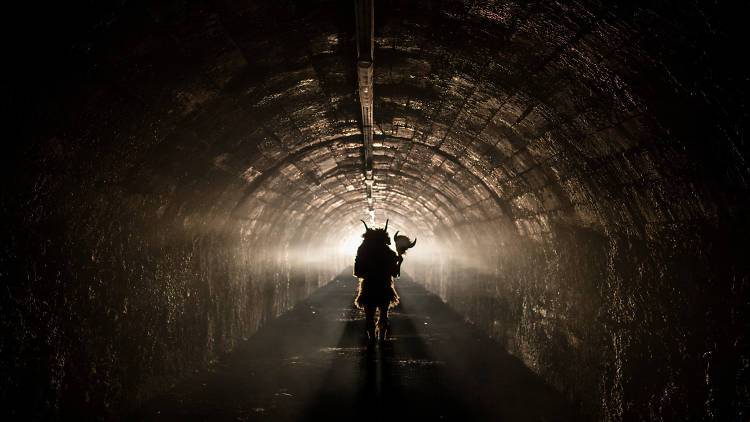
384	325
370	321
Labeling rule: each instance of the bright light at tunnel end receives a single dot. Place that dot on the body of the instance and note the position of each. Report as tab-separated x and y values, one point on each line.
350	244
424	250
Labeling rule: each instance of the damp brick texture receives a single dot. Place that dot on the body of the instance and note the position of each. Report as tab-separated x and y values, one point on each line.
176	173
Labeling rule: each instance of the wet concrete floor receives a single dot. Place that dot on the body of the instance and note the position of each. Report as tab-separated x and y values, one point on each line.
314	364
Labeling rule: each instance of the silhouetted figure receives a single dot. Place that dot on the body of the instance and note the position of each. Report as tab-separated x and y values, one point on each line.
376	265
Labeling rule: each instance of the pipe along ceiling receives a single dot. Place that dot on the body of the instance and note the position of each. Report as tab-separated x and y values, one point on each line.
180	173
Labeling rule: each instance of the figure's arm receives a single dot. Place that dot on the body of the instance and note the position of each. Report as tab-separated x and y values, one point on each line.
397	269
357	266
360	266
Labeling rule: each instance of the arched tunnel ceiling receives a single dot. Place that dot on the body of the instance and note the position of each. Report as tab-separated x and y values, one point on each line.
438	106
484	111
465	130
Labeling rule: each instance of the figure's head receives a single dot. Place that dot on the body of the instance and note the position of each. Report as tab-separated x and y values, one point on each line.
376	235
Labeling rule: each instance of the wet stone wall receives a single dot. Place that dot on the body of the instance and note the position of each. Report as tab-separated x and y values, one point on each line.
124	265
110	294
629	328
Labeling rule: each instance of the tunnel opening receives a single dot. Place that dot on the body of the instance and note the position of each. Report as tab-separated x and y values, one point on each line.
186	173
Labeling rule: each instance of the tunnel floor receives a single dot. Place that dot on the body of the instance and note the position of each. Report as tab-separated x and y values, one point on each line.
313	363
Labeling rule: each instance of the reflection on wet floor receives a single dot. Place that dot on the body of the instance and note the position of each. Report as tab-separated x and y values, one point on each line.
314	364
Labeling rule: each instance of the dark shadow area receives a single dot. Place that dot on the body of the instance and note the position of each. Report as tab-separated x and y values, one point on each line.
314	363
492	383
395	379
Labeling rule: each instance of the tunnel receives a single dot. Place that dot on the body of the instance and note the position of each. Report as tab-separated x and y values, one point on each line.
180	176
